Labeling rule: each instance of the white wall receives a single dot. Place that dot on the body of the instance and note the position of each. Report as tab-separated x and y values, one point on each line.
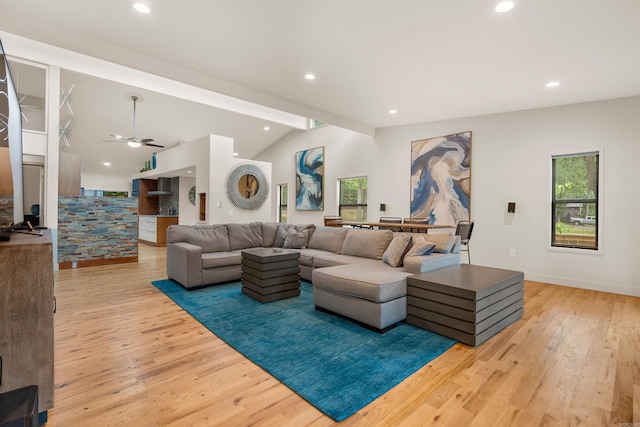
101	181
188	212
211	157
510	163
347	154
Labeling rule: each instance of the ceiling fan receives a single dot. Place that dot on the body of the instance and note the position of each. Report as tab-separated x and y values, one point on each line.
134	141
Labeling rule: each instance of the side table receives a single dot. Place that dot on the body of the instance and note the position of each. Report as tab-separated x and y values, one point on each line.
270	274
469	303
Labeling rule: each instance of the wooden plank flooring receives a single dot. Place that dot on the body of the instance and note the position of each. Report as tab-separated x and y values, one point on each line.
126	355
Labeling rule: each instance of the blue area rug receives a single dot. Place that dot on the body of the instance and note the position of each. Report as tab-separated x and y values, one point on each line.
334	364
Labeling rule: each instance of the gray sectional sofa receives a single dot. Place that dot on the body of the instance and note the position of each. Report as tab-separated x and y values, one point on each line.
350	269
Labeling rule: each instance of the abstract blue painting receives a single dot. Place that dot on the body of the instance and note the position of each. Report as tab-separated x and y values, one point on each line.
310	179
441	178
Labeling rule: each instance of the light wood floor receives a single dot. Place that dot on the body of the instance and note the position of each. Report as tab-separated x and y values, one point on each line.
126	355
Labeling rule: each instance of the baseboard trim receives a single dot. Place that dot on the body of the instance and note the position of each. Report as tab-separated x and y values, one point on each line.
96	262
592	286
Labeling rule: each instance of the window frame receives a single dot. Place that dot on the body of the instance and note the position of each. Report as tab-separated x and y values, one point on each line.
279	204
356	205
598	202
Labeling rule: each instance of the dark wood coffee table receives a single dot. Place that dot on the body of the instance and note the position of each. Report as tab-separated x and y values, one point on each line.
469	303
270	274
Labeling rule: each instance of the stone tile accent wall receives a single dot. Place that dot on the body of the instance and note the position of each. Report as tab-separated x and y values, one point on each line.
6	210
96	229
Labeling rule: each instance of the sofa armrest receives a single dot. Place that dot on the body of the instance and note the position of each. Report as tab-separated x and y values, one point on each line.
420	264
456	246
184	263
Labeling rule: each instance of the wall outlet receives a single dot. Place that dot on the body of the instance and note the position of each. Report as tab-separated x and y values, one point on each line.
230	212
218	204
512	252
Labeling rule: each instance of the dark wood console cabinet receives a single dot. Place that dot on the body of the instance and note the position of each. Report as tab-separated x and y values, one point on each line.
26	315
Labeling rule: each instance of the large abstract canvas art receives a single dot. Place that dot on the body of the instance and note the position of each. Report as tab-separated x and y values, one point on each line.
441	178
310	179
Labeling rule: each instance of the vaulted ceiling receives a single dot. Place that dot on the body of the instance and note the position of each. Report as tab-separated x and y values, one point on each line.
427	59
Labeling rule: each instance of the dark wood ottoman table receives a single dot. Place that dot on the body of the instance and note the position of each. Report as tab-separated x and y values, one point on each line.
469	303
270	274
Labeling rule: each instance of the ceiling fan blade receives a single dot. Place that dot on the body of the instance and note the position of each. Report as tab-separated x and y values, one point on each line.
144	140
153	145
117	137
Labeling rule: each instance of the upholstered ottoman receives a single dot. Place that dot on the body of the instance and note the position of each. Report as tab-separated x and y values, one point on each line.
369	292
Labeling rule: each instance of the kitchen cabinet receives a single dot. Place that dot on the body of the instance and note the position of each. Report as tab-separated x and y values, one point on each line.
135	188
152	229
148	204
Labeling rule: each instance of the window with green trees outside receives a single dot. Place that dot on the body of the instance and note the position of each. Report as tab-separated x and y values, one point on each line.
574	203
353	199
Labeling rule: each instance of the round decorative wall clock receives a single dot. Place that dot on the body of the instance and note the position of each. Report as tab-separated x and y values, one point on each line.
192	195
247	186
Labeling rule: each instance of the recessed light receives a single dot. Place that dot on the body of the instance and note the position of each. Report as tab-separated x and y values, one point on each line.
189	172
141	7
393	111
266	128
310	76
552	84
107	164
504	6
235	154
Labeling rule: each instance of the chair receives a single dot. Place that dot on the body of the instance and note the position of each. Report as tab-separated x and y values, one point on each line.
390	220
423	221
464	230
332	221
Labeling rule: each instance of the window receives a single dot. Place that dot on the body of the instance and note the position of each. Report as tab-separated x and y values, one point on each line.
283	195
313	123
353	199
574	202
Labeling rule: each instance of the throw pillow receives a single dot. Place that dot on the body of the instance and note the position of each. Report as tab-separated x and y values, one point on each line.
310	228
396	250
420	248
444	241
295	239
281	234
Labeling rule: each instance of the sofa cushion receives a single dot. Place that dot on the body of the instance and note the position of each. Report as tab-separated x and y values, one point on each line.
420	264
420	247
328	239
331	260
269	233
396	250
210	238
307	255
220	259
376	282
244	236
296	239
366	243
444	241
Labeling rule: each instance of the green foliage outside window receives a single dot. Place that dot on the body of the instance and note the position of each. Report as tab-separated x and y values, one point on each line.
353	199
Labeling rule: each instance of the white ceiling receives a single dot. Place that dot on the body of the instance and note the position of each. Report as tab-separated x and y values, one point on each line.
428	59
